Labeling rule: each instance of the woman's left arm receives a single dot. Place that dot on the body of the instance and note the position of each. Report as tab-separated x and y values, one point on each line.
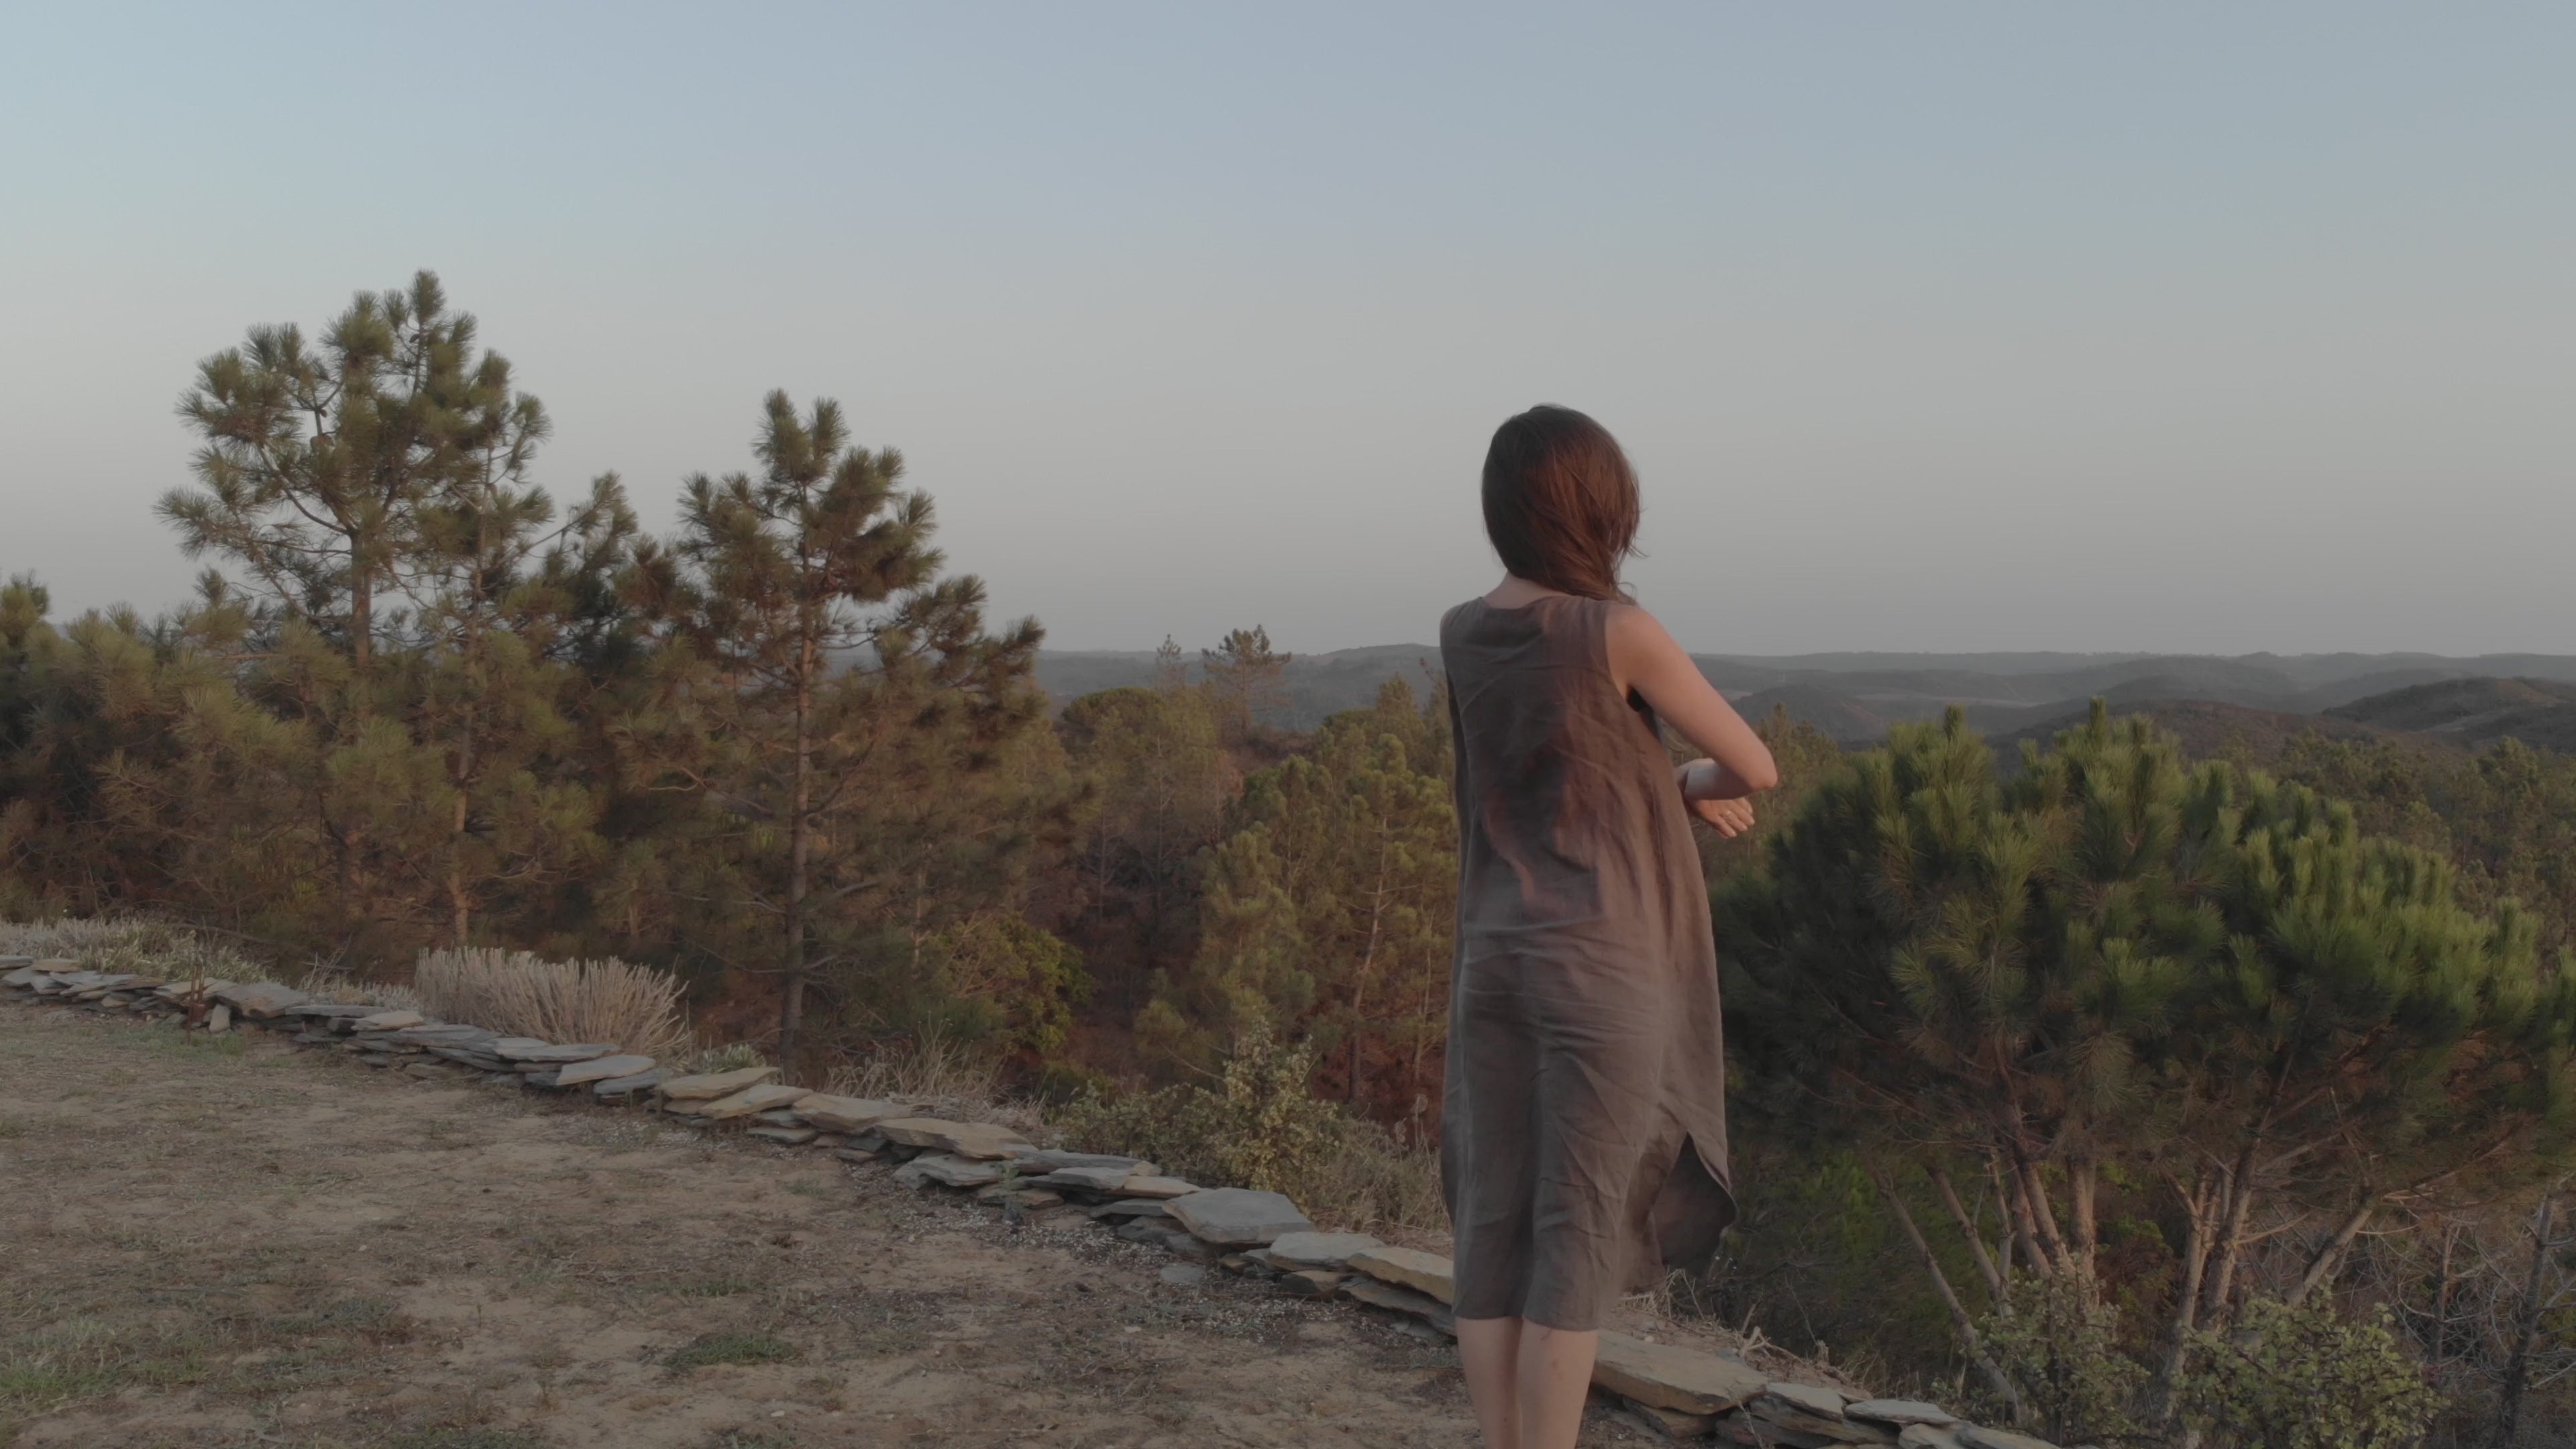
1645	657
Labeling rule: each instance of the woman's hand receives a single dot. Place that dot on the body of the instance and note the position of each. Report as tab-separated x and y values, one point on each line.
1713	798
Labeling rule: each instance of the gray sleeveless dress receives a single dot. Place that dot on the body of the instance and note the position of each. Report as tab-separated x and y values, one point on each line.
1583	1135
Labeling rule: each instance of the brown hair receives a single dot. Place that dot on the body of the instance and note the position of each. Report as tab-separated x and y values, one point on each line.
1561	502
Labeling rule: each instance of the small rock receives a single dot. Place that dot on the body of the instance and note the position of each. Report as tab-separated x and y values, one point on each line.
751	1099
869	1141
1667	1376
981	1140
783	1136
947	1169
219	1017
1412	1268
1143	1185
1236	1217
708	1086
1928	1436
1312	1283
1198	1250
777	1117
843	1114
1364	1289
543	1077
857	1154
430	1071
1318	1250
1899	1412
1182	1275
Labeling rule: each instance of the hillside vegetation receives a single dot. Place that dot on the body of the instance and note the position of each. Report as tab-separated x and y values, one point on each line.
2210	1020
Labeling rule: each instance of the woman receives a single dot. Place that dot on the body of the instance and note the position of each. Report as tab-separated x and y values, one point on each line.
1583	1148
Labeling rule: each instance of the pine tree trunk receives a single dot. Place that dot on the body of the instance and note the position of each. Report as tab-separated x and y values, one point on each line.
2526	1326
1966	1327
1995	1285
2195	1262
800	848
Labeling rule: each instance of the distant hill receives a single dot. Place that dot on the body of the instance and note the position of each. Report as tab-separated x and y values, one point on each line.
2205	728
1853	697
2539	712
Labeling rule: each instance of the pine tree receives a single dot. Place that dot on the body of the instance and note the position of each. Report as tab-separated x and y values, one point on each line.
1330	904
854	692
2212	979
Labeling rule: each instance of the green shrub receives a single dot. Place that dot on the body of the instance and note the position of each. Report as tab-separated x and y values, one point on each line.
2292	1377
2056	1338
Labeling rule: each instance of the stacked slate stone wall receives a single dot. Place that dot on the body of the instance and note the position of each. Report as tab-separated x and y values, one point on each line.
1684	1393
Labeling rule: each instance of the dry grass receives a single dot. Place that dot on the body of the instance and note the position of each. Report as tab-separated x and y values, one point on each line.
636	1007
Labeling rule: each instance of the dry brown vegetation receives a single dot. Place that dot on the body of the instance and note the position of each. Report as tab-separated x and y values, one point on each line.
516	994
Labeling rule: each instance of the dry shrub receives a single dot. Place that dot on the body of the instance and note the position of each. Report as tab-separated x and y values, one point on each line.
636	1007
1260	1128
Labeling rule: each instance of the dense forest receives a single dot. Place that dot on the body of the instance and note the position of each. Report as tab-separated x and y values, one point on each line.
2139	1083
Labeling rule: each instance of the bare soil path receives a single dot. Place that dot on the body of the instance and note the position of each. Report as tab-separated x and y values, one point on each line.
225	1241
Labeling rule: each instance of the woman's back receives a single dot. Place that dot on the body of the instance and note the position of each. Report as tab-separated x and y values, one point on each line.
1568	819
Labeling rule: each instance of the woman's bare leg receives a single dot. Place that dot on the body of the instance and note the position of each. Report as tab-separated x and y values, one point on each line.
1489	1351
1553	1378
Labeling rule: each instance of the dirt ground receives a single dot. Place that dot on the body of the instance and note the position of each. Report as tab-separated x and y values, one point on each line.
228	1241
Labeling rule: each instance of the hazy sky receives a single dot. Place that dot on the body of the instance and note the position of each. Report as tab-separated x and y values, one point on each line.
2212	328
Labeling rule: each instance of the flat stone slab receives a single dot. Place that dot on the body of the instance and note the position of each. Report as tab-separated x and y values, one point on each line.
550	1052
784	1136
980	1140
707	1086
1107	1180
1236	1217
391	1020
757	1098
446	1033
24	976
617	1089
1318	1250
183	990
1976	1437
844	1114
1668	1377
1132	1207
948	1170
601	1069
1928	1436
1408	1268
1899	1412
1312	1283
1360	1288
354	1010
1162	1187
1052	1159
1807	1399
259	998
